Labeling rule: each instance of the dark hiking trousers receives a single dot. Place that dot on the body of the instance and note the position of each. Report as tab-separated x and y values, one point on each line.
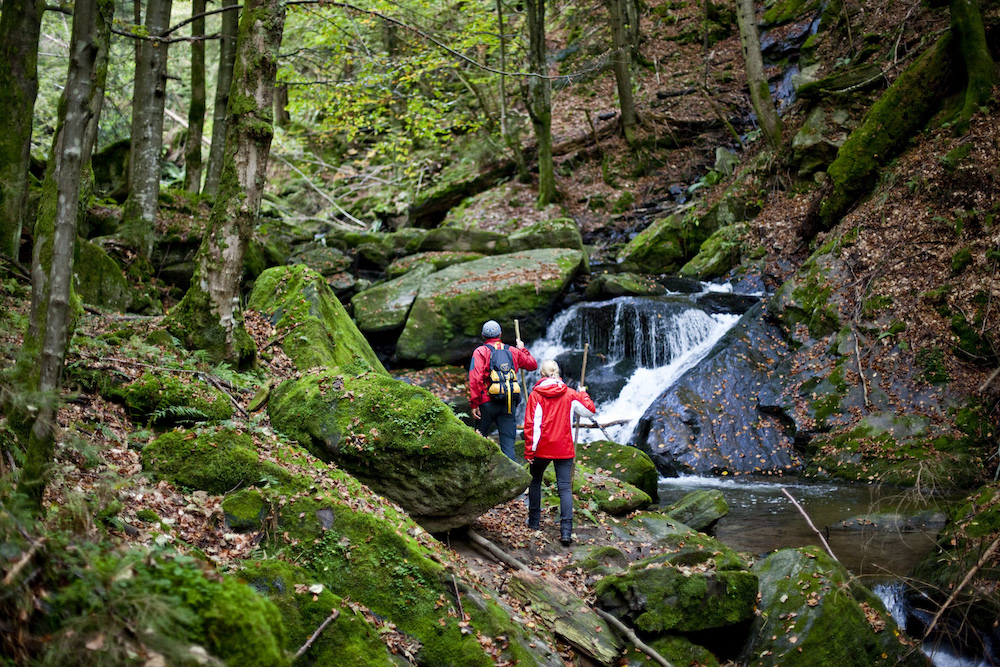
495	412
564	484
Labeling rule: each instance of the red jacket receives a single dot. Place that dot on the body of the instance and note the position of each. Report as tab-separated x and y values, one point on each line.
479	370
548	419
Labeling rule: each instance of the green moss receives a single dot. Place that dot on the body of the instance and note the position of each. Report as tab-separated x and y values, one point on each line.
349	639
195	323
972	346
243	628
317	330
784	11
166	399
628	464
935	371
245	509
677	650
217	461
960	261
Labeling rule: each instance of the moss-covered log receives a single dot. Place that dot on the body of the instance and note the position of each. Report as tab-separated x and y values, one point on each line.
902	110
208	317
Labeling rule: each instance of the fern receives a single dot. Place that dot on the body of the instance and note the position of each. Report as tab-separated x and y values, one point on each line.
178	413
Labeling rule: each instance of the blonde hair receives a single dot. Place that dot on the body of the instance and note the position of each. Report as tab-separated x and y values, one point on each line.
549	369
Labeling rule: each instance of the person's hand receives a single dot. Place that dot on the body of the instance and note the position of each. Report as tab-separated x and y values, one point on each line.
520	344
583	389
529	457
477	414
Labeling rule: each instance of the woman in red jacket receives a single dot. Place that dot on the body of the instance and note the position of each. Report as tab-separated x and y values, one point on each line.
548	436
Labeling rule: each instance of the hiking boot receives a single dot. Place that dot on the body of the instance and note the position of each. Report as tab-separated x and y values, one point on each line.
566	540
534	526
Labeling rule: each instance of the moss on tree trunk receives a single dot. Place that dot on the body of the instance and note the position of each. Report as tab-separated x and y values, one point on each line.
208	317
980	70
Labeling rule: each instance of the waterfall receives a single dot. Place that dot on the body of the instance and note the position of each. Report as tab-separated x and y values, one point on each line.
638	346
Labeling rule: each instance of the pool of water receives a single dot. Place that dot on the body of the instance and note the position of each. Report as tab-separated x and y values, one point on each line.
761	519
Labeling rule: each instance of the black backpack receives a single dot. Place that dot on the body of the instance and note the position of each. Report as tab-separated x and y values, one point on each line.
503	384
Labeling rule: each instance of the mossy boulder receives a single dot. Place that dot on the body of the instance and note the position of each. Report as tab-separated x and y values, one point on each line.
699	509
316	329
437	259
305	604
452	239
676	649
321	258
399	439
604	492
598	560
655	596
843	81
385	306
808	297
214	460
667	244
719	253
360	546
446	319
557	233
611	285
682	545
813	613
164	399
245	510
628	464
98	280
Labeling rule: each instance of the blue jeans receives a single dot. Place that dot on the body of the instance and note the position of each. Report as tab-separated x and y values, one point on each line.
495	412
564	484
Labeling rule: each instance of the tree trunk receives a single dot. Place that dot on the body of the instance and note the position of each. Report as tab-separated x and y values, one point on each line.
227	56
196	112
91	20
510	138
539	101
760	94
148	99
980	69
208	317
620	59
281	116
20	26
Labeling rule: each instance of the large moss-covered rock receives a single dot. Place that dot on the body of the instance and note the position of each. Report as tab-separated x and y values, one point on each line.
718	254
669	242
628	464
681	544
98	280
557	233
812	613
399	439
348	639
385	306
700	509
656	596
323	259
677	650
446	320
169	399
453	239
437	259
611	285
315	328
214	460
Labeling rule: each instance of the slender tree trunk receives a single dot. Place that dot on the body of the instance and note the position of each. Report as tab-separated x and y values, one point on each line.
511	139
148	99
980	69
208	317
196	112
621	58
760	94
20	26
91	21
281	116
540	101
224	81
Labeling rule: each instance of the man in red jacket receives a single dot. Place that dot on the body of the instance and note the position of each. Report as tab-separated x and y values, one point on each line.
498	407
548	436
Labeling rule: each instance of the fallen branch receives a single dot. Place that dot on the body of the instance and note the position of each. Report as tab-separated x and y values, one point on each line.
811	525
19	565
966	580
990	379
19	270
329	619
218	385
500	554
630	634
617	422
861	370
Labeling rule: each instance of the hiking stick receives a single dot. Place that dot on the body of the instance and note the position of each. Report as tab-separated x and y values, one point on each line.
517	337
583	376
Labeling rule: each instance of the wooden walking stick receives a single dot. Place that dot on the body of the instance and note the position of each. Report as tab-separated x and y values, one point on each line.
517	337
583	377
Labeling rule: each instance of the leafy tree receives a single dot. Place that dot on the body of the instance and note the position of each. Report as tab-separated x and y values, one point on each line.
196	110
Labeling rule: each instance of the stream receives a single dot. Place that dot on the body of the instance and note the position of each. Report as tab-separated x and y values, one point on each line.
637	347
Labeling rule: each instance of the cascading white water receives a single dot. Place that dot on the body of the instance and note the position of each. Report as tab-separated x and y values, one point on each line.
638	348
